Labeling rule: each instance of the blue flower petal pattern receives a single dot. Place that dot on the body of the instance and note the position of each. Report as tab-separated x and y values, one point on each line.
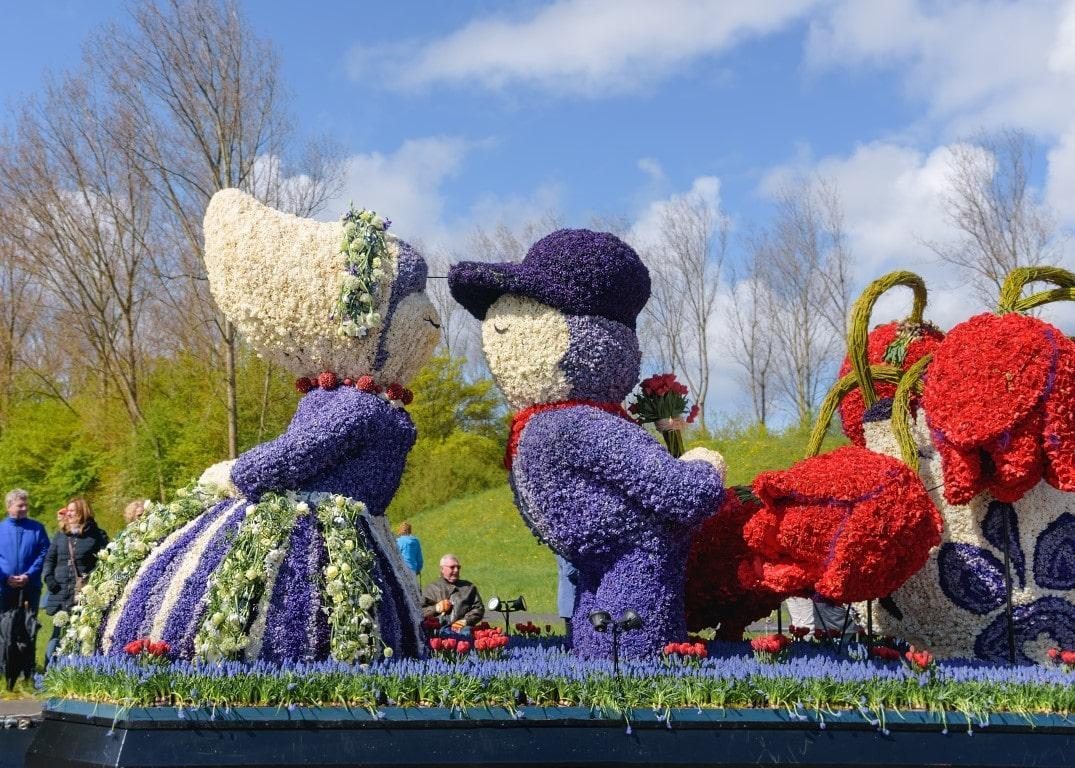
971	577
1054	554
1051	616
1000	523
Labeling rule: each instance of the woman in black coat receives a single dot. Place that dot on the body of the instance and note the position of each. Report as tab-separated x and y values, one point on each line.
71	556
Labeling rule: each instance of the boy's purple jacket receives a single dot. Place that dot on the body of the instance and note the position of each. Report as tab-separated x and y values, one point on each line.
609	498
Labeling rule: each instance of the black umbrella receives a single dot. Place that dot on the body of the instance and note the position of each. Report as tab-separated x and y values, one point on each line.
18	641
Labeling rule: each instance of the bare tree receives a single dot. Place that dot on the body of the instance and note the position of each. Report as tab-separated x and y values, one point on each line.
20	304
806	265
1001	222
685	263
205	97
750	339
79	212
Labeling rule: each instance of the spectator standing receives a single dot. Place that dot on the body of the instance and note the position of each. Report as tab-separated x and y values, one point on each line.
23	544
567	580
410	549
453	600
133	511
69	560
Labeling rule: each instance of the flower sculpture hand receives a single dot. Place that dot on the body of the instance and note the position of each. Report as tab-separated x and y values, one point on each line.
558	334
300	564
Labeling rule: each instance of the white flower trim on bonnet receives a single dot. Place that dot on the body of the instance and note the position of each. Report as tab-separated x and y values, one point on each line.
310	296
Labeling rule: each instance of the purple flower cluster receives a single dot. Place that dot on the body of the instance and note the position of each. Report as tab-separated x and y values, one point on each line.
606	496
539	660
602	360
576	271
411	273
341	441
183	624
295	627
973	578
152	582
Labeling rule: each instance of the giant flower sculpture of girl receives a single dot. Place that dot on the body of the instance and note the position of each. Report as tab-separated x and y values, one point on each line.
298	563
558	331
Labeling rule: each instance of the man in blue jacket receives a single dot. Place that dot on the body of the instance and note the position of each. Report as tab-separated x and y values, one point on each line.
23	544
411	550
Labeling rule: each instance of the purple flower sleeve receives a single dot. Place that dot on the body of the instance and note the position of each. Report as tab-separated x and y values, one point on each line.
328	428
608	453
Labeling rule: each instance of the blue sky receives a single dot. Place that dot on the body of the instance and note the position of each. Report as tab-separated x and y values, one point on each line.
464	113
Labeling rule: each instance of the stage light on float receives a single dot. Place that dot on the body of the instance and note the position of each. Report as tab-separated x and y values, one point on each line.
506	607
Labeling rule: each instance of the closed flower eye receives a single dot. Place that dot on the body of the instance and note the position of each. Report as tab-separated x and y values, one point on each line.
498	329
433	322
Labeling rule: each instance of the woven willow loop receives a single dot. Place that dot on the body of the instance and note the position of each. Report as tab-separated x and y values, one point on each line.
859	331
839	391
901	411
1019	278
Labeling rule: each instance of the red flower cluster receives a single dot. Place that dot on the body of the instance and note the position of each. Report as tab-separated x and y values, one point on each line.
798	632
920	661
448	647
329	381
714	595
660	384
849	525
1057	656
884	653
1000	401
144	645
917	340
686	651
430	624
827	634
770	647
490	643
529	628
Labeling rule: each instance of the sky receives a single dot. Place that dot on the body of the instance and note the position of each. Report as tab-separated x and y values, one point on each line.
464	113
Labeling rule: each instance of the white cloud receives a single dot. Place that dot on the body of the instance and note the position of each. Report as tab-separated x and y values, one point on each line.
582	46
645	232
405	185
975	64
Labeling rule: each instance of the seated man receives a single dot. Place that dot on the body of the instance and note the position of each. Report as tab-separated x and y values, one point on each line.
453	600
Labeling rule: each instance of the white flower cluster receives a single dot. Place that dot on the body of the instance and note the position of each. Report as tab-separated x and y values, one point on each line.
279	279
240	581
350	594
524	342
930	618
118	563
364	250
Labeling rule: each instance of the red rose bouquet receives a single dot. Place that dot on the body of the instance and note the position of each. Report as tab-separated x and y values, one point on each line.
663	403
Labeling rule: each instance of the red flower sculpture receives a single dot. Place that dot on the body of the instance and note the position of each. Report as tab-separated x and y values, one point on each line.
998	399
848	525
714	596
899	344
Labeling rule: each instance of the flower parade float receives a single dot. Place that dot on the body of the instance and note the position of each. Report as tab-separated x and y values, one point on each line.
197	641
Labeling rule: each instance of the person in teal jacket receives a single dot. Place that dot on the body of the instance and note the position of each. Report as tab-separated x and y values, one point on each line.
410	549
23	544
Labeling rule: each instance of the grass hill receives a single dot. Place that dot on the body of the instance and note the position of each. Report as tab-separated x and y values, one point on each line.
502	557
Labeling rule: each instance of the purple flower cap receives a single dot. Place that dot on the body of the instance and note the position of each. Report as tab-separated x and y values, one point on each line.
576	271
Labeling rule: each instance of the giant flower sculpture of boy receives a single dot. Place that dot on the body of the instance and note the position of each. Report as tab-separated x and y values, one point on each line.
299	564
558	332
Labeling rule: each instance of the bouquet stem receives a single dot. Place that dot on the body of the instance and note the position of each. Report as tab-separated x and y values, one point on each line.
673	438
